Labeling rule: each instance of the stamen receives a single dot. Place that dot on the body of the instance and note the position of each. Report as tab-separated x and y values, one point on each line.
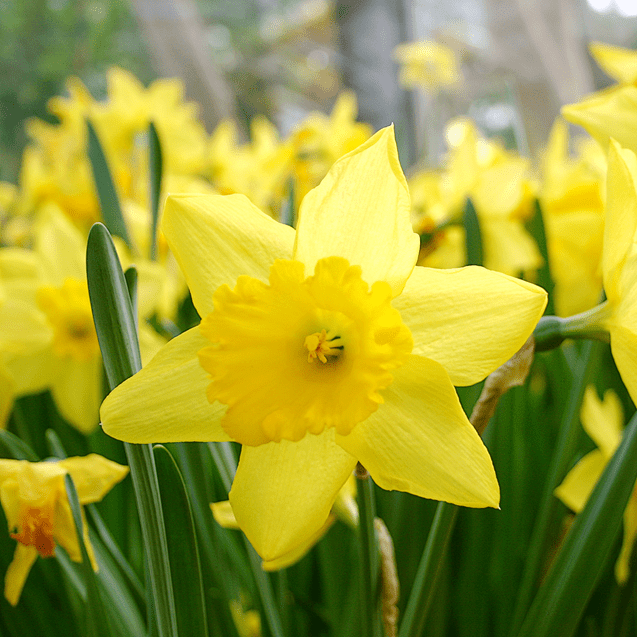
319	346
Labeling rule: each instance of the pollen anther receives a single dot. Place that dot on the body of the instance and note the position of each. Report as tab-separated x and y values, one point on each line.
320	346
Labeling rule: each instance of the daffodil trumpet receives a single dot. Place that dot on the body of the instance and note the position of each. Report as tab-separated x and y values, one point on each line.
552	331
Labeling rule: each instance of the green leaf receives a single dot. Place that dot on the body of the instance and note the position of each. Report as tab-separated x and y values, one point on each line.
560	601
473	235
565	445
183	549
12	447
429	568
96	616
536	227
116	329
115	322
288	212
109	201
155	161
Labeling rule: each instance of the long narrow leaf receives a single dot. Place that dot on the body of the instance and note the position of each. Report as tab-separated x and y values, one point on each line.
96	617
183	549
536	227
560	602
473	235
117	335
155	161
109	201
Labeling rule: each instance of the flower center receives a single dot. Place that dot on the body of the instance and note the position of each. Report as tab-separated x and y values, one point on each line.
297	354
68	309
36	529
321	345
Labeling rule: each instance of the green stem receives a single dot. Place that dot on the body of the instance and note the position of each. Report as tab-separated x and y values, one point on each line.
428	572
552	331
370	559
564	449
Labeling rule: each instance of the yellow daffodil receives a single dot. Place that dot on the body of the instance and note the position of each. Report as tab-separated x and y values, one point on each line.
325	346
610	113
257	169
48	338
36	505
619	63
428	64
498	184
320	140
619	264
603	422
572	203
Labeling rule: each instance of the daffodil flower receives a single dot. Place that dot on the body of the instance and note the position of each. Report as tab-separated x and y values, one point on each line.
47	336
34	499
617	314
428	64
609	113
395	338
603	422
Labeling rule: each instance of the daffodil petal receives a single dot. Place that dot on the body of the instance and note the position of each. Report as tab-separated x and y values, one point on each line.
166	401
360	211
61	246
18	571
7	394
606	114
223	514
469	320
93	475
215	239
420	441
581	480
618	62
30	373
621	216
623	345
64	530
283	491
603	420
77	391
295	555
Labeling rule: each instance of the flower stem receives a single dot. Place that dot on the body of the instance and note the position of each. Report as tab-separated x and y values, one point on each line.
551	331
370	560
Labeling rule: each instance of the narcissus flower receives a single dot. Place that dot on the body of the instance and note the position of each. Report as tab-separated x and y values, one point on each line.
603	422
428	64
572	201
36	505
610	112
47	336
323	347
619	264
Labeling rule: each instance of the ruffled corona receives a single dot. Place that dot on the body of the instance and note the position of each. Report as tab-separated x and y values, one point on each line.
68	310
301	354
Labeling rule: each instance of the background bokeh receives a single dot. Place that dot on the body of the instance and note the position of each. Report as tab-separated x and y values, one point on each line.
284	58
